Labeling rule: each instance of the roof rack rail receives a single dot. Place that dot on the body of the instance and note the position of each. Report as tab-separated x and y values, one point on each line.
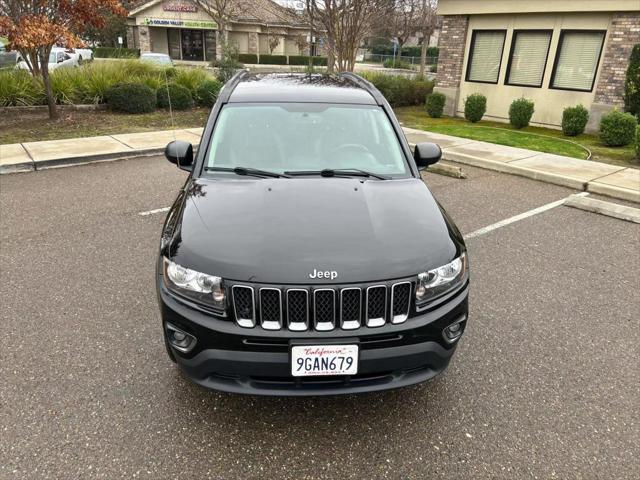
365	84
231	84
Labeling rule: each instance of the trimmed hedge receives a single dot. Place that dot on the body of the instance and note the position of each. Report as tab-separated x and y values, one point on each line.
400	90
574	120
111	52
520	112
248	58
638	141
131	98
180	96
617	129
272	60
475	106
207	92
435	104
389	63
320	61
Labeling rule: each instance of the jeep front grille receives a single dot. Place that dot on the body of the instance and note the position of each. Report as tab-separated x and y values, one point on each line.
321	309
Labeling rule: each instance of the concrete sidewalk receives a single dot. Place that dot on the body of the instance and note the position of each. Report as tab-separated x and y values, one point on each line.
611	180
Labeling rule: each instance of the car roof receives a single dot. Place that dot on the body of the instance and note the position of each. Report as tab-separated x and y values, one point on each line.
300	87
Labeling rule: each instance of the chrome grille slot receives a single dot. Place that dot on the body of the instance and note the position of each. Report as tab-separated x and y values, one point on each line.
270	308
376	306
350	308
400	302
244	306
297	309
324	309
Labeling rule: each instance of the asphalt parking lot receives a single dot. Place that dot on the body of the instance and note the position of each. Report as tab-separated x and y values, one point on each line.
545	383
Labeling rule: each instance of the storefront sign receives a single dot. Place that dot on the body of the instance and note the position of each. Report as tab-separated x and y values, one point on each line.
174	23
179	7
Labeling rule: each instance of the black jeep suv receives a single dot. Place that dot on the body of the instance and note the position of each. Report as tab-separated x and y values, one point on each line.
304	255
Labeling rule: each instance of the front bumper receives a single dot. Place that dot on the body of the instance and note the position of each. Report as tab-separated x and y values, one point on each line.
254	361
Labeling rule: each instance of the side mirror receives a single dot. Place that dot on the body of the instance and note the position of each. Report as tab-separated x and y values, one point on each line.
426	154
180	153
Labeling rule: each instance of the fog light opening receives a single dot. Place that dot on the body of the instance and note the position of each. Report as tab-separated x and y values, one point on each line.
453	332
179	339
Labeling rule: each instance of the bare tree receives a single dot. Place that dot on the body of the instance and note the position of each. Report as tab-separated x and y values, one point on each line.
401	20
346	23
222	12
426	22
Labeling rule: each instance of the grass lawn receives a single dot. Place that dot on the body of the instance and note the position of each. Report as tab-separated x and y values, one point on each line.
31	127
504	134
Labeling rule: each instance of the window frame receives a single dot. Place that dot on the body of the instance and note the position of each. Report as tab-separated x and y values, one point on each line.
557	59
472	46
514	36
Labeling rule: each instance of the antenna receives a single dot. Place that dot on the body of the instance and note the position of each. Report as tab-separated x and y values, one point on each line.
166	83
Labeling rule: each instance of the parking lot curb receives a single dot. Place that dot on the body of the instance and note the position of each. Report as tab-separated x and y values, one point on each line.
609	209
107	157
615	192
504	167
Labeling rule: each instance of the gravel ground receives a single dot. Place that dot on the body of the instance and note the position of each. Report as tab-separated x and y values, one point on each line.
543	385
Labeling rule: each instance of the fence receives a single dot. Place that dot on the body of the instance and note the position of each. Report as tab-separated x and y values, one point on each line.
413	61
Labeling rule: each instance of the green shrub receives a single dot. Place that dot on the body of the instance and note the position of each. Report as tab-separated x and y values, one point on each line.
638	141
520	112
298	60
319	61
178	97
400	90
405	51
475	106
617	129
18	87
207	92
435	104
190	78
574	120
272	59
110	52
229	64
131	98
632	83
251	58
389	63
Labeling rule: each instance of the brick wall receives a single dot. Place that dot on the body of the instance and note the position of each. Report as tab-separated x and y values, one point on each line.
624	33
453	37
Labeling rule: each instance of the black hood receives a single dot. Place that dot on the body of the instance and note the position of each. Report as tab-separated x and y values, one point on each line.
281	230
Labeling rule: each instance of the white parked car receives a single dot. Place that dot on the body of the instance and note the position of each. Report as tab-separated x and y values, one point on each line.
83	54
159	58
58	58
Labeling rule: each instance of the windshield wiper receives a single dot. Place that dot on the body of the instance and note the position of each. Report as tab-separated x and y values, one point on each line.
335	172
253	172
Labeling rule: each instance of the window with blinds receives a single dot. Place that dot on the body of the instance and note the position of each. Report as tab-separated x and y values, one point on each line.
577	60
528	58
485	56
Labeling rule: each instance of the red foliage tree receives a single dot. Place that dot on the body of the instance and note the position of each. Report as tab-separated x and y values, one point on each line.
34	27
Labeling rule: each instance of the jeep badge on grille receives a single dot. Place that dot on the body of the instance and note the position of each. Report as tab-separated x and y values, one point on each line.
326	274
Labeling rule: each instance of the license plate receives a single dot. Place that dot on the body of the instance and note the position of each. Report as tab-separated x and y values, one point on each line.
314	360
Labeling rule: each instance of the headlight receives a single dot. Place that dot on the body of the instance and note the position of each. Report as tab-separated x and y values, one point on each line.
437	282
202	288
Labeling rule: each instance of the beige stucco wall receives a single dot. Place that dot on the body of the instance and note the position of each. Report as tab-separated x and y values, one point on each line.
549	103
472	7
159	41
240	40
156	11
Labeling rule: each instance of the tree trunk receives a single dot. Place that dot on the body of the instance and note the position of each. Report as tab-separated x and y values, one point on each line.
423	56
331	58
51	101
221	40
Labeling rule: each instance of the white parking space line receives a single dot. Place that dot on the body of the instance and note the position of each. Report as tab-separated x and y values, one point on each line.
521	216
151	212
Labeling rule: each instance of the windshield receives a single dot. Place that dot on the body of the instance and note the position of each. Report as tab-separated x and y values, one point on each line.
294	137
